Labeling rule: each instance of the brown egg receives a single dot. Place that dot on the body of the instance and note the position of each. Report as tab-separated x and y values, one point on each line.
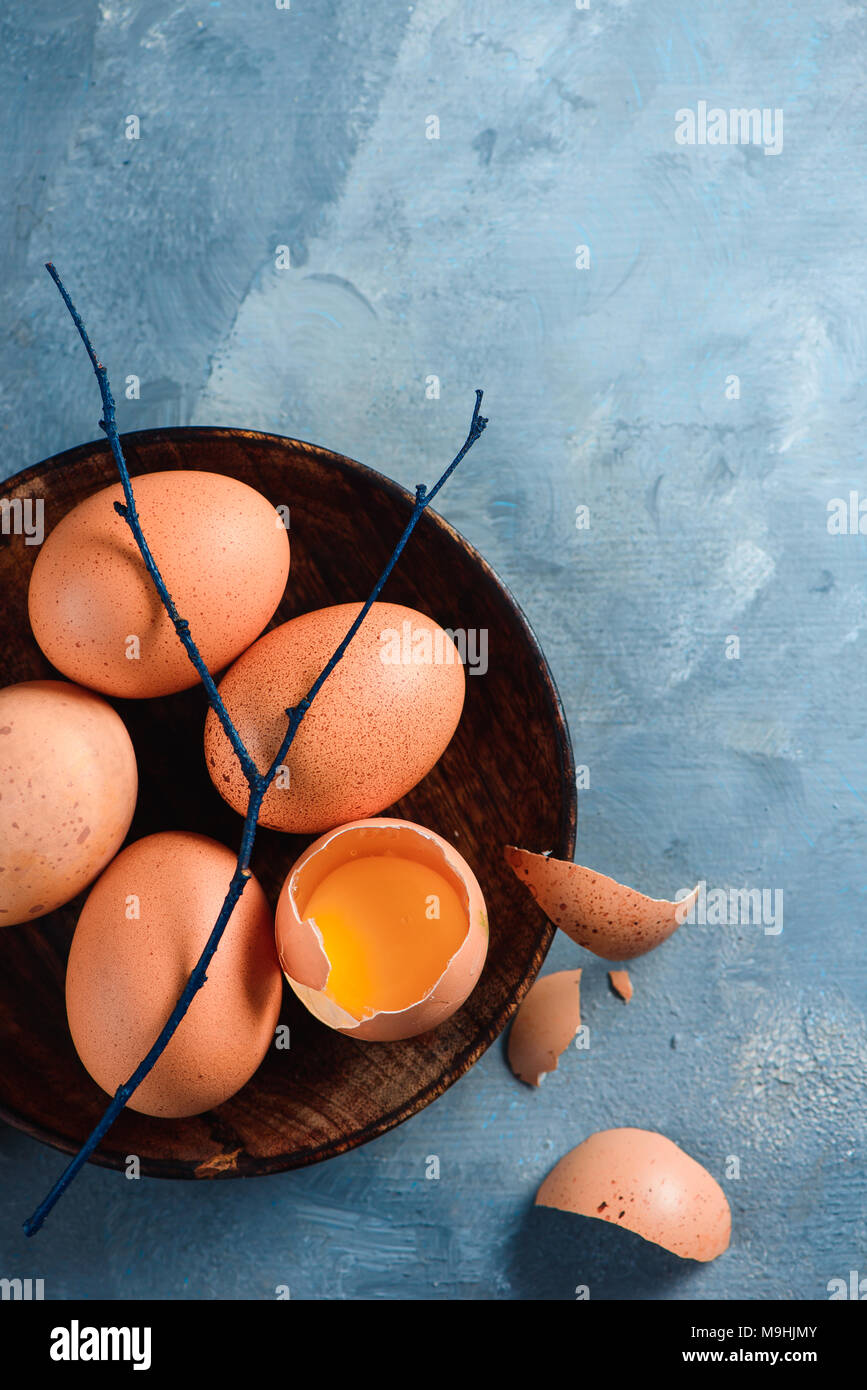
639	1179
141	931
68	785
222	550
613	921
382	929
545	1024
377	726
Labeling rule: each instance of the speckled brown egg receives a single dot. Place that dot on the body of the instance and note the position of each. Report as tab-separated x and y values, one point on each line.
222	550
68	784
379	723
639	1179
140	933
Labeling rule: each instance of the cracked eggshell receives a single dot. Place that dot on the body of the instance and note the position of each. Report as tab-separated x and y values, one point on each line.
68	785
127	971
299	943
545	1024
375	729
606	917
222	550
639	1179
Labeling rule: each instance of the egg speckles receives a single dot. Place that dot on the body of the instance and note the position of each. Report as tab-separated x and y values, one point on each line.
377	726
223	553
68	784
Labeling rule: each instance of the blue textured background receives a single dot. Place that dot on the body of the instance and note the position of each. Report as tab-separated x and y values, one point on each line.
605	387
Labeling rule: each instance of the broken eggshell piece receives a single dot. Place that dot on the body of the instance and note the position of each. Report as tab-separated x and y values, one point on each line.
438	960
621	984
609	919
545	1024
639	1179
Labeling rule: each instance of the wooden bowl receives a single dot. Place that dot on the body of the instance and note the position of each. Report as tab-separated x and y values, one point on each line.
506	777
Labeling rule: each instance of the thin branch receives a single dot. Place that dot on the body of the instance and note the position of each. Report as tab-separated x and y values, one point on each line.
259	782
128	511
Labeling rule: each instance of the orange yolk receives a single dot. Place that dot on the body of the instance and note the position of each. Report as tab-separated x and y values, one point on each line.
389	926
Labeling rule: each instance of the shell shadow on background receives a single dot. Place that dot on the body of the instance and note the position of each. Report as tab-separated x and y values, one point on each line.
506	777
554	1252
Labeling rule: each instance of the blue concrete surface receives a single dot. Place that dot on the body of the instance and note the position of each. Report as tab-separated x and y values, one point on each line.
699	385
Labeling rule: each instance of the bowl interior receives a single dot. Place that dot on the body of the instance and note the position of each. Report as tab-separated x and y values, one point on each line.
506	777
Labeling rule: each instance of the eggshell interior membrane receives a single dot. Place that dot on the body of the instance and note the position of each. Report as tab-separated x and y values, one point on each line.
375	729
126	973
300	943
68	785
222	550
545	1024
609	919
639	1179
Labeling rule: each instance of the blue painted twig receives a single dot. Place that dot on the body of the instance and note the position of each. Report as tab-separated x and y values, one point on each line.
259	782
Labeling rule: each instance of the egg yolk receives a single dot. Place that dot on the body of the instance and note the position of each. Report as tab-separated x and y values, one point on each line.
389	926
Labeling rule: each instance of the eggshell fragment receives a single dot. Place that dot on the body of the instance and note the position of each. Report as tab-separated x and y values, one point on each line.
140	933
374	730
545	1024
639	1179
300	945
621	984
68	785
613	921
222	550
